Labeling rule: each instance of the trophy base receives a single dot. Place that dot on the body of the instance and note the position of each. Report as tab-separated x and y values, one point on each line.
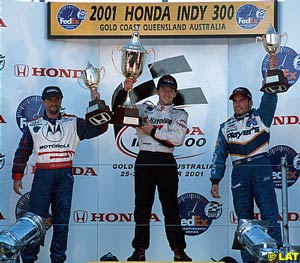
97	113
275	82
126	116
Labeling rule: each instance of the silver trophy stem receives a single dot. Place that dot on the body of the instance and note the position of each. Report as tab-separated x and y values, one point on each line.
128	102
284	196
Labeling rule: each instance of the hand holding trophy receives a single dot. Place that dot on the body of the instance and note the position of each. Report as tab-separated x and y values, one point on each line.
274	81
97	112
132	65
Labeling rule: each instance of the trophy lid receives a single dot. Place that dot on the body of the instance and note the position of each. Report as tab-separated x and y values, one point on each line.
271	36
89	65
134	43
271	30
272	40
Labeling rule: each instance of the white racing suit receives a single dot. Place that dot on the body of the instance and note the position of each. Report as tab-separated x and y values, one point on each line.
156	166
54	142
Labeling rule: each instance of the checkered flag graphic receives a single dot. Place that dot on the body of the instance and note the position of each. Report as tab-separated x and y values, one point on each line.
214	210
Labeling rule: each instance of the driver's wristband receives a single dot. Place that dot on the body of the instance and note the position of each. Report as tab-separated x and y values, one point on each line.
152	133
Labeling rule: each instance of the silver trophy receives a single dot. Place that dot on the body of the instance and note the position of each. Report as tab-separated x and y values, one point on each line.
132	65
252	235
29	228
97	112
274	80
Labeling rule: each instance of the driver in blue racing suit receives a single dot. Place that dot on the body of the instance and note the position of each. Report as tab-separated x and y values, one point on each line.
245	137
53	138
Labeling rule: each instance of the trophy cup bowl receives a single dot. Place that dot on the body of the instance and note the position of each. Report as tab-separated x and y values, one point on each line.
132	62
97	112
132	65
274	80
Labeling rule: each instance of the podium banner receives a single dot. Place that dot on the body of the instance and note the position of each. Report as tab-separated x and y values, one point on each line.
87	20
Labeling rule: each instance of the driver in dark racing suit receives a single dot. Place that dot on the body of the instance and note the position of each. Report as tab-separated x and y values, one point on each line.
245	137
53	138
163	128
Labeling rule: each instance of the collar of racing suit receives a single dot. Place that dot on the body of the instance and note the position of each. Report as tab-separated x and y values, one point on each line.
51	120
164	107
245	115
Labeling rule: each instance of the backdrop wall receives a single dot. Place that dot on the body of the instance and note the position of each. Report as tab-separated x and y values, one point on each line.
207	69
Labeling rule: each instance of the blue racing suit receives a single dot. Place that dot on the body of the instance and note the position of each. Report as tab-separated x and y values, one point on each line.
246	139
54	142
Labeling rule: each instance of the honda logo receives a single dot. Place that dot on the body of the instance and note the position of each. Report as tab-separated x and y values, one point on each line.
80	216
21	70
100	118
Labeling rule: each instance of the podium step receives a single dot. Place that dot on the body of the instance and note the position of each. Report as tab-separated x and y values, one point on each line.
155	261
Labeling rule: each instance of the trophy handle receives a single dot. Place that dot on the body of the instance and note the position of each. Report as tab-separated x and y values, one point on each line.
78	80
259	38
284	35
148	52
112	58
101	69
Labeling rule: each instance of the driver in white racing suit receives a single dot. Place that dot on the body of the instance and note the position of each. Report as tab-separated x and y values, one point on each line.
163	128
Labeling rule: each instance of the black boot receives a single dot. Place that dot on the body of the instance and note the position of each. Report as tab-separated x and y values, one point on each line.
180	255
137	255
